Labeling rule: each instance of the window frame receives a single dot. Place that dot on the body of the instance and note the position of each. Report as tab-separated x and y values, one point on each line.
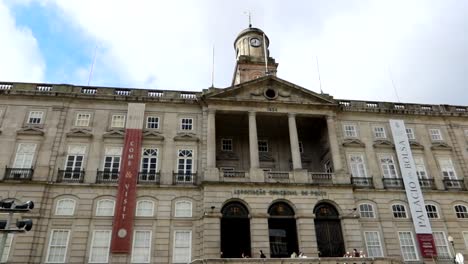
77	119
435	134
411	132
92	248
57	207
177	211
24	155
157	123
30	117
463	214
139	209
350	133
227	142
376	133
367	213
399	214
113	121
133	256
358	165
432	214
390	157
49	245
189	248
188	125
445	244
264	146
413	246
367	244
99	202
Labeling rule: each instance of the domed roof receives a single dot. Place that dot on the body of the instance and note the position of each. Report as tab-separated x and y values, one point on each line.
248	30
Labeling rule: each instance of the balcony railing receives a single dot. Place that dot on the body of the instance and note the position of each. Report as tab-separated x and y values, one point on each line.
393	183
73	176
184	178
454	184
321	177
427	184
277	175
149	177
233	174
107	176
362	182
19	174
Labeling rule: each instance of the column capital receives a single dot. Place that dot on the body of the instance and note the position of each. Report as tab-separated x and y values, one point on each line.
331	117
291	114
211	111
252	113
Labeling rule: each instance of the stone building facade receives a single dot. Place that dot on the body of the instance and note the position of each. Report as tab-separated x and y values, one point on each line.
261	165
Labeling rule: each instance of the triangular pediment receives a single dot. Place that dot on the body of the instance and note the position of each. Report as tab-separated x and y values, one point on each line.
79	133
186	137
353	142
440	146
415	145
114	134
269	89
151	134
31	131
383	143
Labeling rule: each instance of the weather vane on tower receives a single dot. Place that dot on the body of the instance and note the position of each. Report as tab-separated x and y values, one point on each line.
248	13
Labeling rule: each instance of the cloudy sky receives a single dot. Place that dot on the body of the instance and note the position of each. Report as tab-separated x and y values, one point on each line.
362	46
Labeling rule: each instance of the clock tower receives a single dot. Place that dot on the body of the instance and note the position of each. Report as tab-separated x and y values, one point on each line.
250	46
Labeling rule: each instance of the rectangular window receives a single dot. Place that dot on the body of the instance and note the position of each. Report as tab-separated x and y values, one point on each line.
58	244
118	121
447	169
436	135
112	159
152	122
149	162
263	146
6	249
35	117
141	252
410	134
182	252
186	123
350	130
75	157
301	147
99	252
226	144
82	120
358	168
374	248
24	155
379	132
328	166
440	240
388	166
184	166
407	246
420	168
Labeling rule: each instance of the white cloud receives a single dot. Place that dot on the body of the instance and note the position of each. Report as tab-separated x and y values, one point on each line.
21	60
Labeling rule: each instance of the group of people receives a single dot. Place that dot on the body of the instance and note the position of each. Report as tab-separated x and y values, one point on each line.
355	254
301	255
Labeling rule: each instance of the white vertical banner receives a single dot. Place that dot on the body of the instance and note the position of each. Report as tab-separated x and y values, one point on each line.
414	194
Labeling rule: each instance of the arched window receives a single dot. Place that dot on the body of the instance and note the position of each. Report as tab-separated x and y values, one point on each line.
235	210
145	208
325	210
183	209
432	211
105	207
366	210
461	211
399	211
65	207
280	209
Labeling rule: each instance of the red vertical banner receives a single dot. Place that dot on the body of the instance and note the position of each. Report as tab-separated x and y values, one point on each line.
122	229
427	245
126	195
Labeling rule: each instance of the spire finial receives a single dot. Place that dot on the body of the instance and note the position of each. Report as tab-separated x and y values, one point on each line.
250	17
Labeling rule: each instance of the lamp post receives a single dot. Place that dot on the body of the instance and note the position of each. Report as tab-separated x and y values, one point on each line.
450	239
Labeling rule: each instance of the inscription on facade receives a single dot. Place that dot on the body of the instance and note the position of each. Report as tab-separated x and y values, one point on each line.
280	192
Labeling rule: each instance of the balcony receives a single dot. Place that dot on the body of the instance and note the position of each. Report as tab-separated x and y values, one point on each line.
72	176
107	176
19	174
393	183
233	174
149	177
362	182
321	177
184	178
454	184
277	176
427	184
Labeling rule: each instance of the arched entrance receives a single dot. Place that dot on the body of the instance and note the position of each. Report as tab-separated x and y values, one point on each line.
282	230
328	231
235	231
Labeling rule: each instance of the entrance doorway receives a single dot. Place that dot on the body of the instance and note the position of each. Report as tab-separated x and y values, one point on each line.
328	231
282	230
235	231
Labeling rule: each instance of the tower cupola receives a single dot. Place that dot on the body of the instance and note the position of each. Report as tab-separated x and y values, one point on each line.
251	46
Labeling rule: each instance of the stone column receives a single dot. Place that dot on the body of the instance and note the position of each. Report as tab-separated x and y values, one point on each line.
295	153
333	140
259	235
211	140
253	142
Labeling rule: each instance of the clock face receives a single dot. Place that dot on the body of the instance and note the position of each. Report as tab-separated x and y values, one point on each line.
255	42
